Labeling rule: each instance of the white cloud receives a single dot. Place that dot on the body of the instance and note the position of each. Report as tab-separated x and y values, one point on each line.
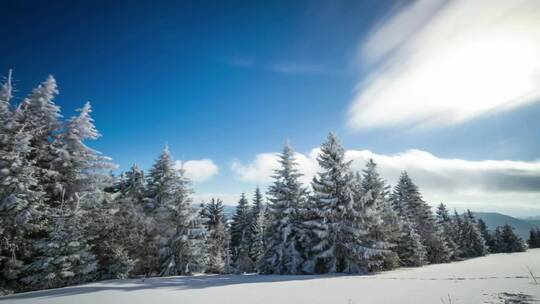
495	185
438	62
261	169
199	170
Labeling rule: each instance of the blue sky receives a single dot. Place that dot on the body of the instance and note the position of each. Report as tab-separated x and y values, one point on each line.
229	82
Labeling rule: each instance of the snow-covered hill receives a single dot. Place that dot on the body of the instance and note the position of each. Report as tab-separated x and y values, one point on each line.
498	278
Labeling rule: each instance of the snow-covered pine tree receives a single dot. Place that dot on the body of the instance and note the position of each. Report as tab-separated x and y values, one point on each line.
284	231
218	238
411	251
407	199
40	117
241	236
129	219
176	230
488	237
258	226
21	198
65	256
161	188
472	243
82	179
448	229
188	250
335	223
507	241
534	238
378	216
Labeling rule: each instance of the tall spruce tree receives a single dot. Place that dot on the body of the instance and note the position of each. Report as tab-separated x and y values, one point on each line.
175	229
339	239
534	238
21	198
128	225
448	230
507	241
378	216
408	201
472	243
284	231
486	234
241	236
40	118
258	227
218	238
411	251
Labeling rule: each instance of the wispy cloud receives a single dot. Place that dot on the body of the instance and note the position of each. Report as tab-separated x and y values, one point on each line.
199	170
300	68
435	63
501	185
289	67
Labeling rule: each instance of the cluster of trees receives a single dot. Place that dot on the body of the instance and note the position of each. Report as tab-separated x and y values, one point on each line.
534	238
64	220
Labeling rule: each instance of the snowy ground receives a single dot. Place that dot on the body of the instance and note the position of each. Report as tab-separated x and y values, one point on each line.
498	278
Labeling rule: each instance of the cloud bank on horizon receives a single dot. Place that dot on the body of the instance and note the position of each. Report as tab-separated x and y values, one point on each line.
503	185
435	63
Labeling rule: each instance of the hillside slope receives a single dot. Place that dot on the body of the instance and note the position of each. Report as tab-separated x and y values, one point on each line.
497	278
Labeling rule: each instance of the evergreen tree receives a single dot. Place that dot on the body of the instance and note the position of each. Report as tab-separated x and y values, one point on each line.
472	243
241	236
286	196
65	256
21	197
378	216
258	226
128	224
408	201
411	251
508	241
175	229
488	237
218	247
448	230
159	201
336	227
40	118
534	238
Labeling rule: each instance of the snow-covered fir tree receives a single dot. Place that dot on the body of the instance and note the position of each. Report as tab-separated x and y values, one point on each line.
378	216
176	229
258	227
449	230
218	238
21	198
407	199
410	249
64	257
472	244
534	238
41	119
241	237
486	234
284	231
67	252
338	238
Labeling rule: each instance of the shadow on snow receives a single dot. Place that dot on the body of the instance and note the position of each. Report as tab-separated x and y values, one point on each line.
167	283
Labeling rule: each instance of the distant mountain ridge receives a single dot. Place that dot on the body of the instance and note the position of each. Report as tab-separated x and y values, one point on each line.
521	226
